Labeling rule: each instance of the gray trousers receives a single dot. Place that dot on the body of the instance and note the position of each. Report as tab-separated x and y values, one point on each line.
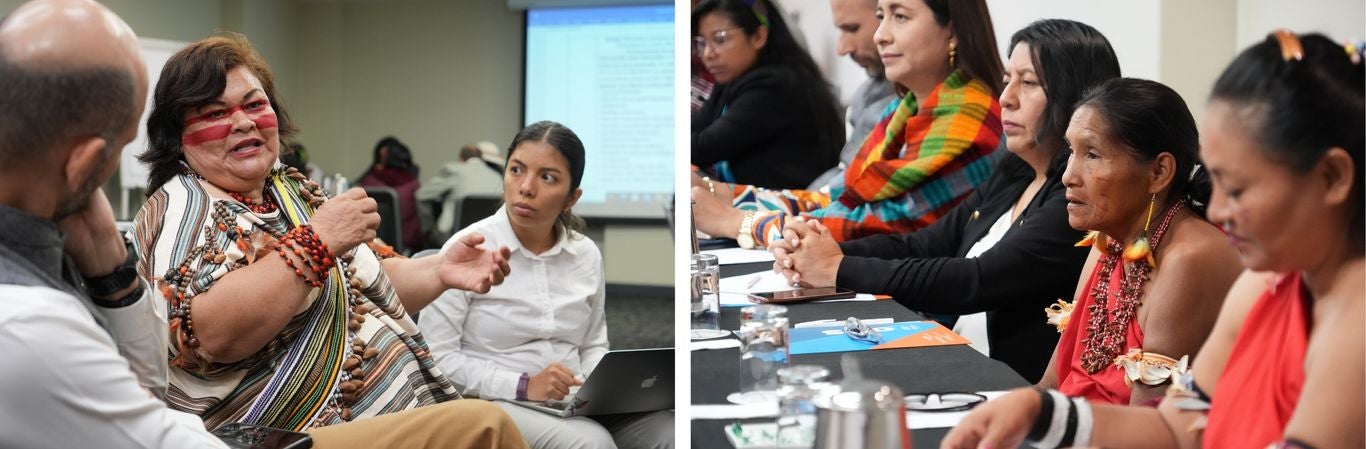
653	430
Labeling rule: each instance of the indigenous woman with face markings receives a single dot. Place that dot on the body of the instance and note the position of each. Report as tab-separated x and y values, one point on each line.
771	119
541	333
280	314
1283	367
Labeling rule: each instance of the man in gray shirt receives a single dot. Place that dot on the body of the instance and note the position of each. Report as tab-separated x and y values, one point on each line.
857	21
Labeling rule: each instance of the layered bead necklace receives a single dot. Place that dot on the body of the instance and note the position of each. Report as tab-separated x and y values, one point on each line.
256	242
1105	334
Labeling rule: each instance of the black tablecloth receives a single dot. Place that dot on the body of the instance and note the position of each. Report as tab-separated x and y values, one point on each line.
940	369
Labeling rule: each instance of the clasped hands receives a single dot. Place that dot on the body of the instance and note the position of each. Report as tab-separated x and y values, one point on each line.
807	255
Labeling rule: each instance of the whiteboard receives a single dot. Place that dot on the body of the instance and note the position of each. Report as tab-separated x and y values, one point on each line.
155	52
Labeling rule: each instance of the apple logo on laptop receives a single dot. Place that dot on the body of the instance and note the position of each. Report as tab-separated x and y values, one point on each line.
647	383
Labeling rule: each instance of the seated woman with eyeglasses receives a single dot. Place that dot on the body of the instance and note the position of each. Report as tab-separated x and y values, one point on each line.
1283	367
932	147
771	120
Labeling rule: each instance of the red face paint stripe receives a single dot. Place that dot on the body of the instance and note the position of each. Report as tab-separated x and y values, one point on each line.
266	121
205	117
208	134
226	113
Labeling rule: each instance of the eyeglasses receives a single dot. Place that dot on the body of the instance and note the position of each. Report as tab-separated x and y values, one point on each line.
857	330
943	402
718	39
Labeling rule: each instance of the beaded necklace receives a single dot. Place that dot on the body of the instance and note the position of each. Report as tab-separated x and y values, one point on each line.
1105	334
265	206
256	242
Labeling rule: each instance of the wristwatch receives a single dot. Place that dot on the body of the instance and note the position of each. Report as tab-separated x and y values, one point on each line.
746	235
123	275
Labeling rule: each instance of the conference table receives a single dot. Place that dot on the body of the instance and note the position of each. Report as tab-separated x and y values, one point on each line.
938	369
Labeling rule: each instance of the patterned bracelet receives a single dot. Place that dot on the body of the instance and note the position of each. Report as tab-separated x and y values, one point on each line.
309	248
1062	421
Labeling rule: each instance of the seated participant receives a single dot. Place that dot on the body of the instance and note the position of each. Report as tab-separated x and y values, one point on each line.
87	357
1006	250
1284	364
1157	270
280	315
392	166
543	331
771	119
926	155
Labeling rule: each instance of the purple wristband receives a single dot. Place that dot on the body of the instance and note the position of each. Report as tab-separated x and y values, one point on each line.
521	386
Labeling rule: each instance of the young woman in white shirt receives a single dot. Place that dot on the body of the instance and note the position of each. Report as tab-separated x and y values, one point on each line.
543	330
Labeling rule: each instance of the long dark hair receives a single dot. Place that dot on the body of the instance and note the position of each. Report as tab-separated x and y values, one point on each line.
1055	46
193	77
1150	119
782	50
1304	107
971	23
399	157
568	144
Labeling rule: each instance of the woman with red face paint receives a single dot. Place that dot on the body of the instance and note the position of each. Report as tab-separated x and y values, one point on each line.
280	314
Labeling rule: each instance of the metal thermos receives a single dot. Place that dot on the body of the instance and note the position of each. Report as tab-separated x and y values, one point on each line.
862	413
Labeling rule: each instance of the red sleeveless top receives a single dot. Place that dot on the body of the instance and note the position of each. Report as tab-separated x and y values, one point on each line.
1107	385
1261	383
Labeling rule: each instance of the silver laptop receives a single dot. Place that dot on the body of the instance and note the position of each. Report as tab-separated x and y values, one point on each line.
627	381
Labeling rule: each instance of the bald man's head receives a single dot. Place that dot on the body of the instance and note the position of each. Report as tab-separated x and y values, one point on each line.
70	70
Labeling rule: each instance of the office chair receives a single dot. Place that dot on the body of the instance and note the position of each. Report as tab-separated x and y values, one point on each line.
390	218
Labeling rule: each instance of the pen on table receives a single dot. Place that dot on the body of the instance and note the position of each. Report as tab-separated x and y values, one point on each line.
752	280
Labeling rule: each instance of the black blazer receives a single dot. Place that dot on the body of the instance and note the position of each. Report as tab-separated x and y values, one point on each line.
1032	266
771	132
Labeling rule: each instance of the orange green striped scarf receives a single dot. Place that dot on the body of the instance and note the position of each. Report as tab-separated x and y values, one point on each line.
922	159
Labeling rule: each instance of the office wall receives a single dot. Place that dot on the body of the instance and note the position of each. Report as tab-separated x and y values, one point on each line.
1338	19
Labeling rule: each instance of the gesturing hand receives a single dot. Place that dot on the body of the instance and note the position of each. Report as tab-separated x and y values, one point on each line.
815	258
467	266
553	382
346	221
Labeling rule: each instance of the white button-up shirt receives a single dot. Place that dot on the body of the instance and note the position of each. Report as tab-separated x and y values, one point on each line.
548	309
68	385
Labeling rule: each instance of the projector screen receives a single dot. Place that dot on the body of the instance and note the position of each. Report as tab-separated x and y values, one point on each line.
608	74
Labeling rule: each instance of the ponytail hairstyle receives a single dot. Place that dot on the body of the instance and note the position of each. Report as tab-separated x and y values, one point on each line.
1306	100
568	144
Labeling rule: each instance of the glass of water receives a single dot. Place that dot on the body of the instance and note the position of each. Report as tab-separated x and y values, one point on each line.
706	299
763	351
798	387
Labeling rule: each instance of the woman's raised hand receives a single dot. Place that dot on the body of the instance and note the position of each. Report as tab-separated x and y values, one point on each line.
346	221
